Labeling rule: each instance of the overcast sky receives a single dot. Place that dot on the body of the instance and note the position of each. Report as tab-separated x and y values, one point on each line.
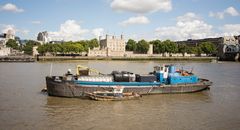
136	19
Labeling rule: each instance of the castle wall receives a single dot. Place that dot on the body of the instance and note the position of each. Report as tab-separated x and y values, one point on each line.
111	46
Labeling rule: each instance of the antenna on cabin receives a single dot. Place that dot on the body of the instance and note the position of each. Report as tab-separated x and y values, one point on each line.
50	70
181	70
192	70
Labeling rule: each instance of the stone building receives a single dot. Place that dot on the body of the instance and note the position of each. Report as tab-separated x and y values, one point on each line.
43	37
4	37
9	35
3	41
110	46
5	51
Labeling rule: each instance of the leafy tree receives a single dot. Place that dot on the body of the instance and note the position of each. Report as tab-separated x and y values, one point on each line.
76	48
28	47
183	48
71	48
57	48
93	43
85	45
162	48
28	50
196	50
131	45
171	47
42	49
142	46
51	48
12	44
208	47
190	50
68	47
156	45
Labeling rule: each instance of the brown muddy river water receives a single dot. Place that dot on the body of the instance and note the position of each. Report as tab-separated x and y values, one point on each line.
23	106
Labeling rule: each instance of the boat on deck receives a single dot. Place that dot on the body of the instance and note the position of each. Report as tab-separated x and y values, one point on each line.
164	79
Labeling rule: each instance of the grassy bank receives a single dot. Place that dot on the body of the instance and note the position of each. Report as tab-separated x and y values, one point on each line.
60	58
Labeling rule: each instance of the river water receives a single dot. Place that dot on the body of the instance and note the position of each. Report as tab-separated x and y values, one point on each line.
23	106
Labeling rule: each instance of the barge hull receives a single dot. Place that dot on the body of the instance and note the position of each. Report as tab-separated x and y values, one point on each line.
70	89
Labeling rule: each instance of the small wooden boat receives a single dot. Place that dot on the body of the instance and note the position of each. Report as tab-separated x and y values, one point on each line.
115	95
109	96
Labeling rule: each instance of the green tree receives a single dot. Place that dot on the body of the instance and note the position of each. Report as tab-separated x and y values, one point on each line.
208	48
171	47
142	46
75	48
162	48
28	47
12	44
28	50
131	45
182	48
57	48
67	47
42	49
85	45
196	50
93	43
156	46
72	47
190	50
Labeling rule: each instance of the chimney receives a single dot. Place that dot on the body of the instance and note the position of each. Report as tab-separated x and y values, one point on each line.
99	40
121	36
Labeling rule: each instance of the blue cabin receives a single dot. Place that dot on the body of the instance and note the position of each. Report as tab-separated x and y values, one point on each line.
169	75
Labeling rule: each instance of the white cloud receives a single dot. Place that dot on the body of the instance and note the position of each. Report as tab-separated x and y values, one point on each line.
69	31
135	20
36	22
188	17
229	11
141	6
11	8
230	29
8	28
188	26
97	32
12	29
219	15
232	11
